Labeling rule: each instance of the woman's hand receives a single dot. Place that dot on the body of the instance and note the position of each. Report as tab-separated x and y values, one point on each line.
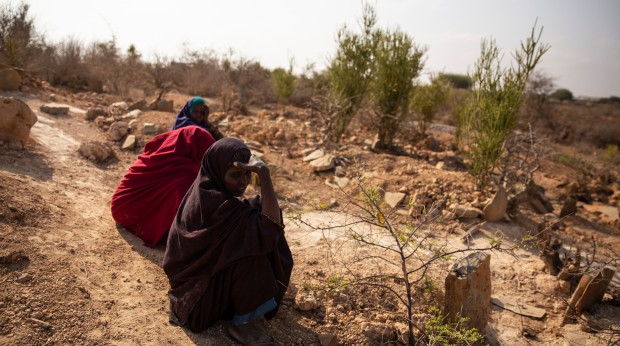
255	165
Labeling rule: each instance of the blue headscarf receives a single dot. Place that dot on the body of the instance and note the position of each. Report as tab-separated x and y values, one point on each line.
184	117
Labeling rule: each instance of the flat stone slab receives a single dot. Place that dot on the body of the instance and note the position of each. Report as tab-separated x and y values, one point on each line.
55	108
518	308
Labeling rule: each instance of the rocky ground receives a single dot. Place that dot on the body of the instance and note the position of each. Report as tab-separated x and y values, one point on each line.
69	276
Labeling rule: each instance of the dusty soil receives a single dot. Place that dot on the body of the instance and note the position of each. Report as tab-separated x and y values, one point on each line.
69	276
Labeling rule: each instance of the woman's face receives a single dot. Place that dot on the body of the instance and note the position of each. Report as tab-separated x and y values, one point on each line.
236	180
200	113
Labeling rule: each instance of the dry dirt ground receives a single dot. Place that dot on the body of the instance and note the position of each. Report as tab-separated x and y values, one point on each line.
69	276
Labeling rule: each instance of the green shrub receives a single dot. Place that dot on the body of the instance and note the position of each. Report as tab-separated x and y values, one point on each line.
484	123
439	331
398	61
427	100
458	81
350	71
284	83
562	95
610	99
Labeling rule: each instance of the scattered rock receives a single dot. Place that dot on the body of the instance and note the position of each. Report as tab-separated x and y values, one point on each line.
380	334
162	106
305	301
495	210
118	108
569	207
96	151
323	164
314	155
140	105
94	112
465	212
24	278
55	108
129	143
340	172
394	198
328	339
118	130
150	128
134	114
610	212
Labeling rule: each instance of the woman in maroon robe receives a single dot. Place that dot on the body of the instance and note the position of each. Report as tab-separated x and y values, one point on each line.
146	200
227	258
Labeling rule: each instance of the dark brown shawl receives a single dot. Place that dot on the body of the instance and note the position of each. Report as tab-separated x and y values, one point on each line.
213	230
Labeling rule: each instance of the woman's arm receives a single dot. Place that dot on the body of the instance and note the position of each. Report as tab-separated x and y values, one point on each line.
270	207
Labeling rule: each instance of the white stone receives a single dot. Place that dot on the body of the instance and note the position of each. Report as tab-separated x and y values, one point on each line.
314	155
323	164
394	198
149	128
129	143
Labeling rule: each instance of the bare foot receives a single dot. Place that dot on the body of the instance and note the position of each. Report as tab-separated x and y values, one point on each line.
248	334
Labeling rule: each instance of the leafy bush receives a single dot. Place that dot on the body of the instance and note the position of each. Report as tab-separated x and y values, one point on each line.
562	95
427	100
350	71
398	61
19	41
610	99
485	122
67	68
458	81
284	83
441	332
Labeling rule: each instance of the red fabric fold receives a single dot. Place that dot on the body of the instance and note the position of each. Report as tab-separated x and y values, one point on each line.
148	196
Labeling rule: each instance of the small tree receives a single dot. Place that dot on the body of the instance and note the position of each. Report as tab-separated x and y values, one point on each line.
538	88
398	61
350	72
458	81
284	83
18	37
562	95
485	122
427	100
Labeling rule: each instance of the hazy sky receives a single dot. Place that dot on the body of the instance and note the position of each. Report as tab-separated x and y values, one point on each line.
584	35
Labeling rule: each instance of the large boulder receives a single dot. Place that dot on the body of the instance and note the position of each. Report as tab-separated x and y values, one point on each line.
9	78
16	120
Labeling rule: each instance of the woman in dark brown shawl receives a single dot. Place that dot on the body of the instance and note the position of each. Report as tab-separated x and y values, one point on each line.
226	258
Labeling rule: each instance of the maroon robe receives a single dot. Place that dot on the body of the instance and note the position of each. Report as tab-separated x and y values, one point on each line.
223	256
